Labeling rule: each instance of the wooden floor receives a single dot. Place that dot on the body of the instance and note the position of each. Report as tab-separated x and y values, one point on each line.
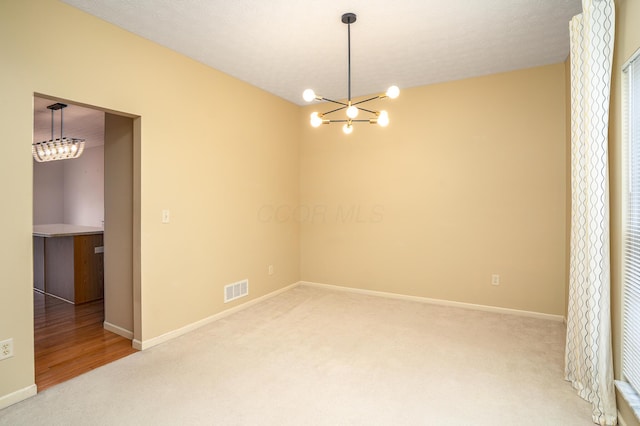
70	340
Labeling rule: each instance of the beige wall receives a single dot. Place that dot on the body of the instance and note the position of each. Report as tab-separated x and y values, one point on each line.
627	42
198	157
468	180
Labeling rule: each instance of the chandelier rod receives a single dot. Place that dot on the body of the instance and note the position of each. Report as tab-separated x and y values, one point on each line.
61	122
349	54
57	107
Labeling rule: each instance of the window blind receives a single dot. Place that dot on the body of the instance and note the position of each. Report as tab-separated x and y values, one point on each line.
631	134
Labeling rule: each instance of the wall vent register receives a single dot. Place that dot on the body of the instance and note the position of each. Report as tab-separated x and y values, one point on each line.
236	290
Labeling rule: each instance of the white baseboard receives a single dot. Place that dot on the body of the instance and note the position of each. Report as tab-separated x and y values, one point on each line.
146	344
127	334
17	396
442	302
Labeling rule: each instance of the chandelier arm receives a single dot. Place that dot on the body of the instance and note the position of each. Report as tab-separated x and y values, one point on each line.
367	100
335	102
348	121
334	110
369	111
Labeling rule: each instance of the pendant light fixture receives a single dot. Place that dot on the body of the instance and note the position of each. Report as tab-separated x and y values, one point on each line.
353	109
57	149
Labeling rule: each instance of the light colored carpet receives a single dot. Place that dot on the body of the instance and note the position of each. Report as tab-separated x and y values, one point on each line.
311	356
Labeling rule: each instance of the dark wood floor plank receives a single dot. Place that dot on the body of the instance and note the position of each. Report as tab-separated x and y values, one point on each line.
70	340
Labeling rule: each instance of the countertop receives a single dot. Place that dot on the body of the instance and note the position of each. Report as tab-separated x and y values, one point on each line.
64	230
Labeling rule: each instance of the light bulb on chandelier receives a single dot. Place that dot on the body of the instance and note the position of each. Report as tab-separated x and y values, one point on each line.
352	108
316	121
309	95
383	118
352	112
393	92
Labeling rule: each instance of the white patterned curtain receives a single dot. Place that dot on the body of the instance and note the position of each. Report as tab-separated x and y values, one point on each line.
588	359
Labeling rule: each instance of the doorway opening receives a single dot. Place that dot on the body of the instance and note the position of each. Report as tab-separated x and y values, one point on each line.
85	275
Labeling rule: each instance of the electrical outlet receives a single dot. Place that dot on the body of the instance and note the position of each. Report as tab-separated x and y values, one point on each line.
270	269
6	349
495	279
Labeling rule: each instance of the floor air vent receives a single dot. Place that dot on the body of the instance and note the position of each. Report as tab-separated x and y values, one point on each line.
236	290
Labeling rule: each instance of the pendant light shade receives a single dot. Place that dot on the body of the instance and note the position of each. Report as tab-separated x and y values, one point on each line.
61	148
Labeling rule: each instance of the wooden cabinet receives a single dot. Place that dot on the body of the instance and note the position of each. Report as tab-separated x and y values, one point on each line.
69	265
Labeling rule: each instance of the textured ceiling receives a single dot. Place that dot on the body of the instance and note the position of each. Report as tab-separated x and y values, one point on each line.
286	46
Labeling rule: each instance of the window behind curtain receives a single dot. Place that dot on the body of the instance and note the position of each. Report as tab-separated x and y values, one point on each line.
631	221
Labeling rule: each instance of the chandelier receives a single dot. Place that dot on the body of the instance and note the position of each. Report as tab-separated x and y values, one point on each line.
352	108
57	149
